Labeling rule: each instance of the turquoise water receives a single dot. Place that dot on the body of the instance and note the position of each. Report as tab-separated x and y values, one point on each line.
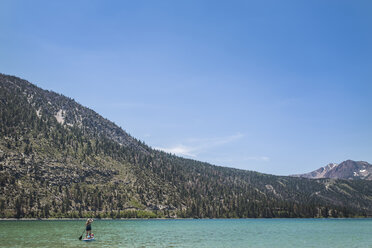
191	233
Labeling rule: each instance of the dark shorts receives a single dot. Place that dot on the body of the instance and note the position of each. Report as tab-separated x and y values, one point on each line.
88	228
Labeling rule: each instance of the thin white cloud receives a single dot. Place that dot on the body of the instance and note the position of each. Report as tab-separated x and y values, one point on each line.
194	146
179	150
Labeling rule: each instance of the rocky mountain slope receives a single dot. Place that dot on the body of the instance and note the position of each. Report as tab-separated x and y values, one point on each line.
60	159
346	170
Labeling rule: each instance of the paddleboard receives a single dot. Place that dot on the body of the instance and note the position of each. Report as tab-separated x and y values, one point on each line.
91	239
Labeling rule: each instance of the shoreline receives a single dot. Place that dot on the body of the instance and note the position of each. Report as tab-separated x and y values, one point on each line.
50	219
97	219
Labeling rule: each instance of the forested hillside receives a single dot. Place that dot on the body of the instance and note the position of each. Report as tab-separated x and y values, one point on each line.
60	159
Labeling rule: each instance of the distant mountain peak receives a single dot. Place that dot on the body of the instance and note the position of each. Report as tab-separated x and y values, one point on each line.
348	169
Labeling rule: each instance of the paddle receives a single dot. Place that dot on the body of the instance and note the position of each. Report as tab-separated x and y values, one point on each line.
81	235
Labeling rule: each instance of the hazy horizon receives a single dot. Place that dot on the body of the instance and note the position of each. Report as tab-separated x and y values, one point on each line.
275	87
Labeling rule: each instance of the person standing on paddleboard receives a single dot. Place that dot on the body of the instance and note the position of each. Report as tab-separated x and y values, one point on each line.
88	227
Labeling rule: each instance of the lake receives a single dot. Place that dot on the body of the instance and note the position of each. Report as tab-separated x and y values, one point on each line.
191	233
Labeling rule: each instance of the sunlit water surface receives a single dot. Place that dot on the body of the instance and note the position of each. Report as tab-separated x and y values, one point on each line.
191	233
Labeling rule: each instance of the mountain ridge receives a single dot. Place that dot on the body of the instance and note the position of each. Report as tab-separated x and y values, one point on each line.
348	169
61	159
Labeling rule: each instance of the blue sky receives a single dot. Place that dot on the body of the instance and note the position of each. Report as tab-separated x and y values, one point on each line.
280	87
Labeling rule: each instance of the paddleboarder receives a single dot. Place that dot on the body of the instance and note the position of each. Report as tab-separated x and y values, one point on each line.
88	227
